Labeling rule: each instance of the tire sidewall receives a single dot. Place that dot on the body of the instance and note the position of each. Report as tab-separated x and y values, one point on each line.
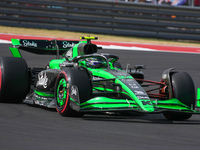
183	88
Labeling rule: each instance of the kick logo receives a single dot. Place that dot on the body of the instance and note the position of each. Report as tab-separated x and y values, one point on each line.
42	80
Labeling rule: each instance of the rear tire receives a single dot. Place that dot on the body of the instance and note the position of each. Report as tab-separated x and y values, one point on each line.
14	79
183	90
66	81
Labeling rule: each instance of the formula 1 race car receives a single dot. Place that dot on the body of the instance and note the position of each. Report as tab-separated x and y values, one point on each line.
81	81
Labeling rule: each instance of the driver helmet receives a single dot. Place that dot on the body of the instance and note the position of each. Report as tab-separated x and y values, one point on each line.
94	63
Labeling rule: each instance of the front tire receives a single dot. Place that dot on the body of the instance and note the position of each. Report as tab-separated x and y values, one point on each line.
184	91
73	86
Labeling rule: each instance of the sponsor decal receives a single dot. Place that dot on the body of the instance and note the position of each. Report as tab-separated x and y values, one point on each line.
39	98
27	43
142	97
67	44
42	80
74	97
96	78
139	93
133	85
119	73
146	103
74	90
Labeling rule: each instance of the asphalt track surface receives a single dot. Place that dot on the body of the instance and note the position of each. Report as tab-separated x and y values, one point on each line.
24	127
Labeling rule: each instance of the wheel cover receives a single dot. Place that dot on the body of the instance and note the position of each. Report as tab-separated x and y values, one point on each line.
61	92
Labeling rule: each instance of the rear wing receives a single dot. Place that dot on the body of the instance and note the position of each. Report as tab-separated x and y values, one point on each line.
42	47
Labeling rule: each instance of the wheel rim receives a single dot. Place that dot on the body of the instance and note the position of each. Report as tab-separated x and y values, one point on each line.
61	92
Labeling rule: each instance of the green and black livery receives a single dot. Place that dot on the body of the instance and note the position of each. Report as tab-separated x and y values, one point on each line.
81	80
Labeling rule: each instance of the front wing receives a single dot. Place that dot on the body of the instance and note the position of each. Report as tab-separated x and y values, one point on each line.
103	104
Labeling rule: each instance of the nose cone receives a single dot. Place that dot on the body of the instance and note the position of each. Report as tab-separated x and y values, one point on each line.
147	105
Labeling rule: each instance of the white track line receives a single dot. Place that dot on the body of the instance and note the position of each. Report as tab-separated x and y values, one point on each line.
126	48
5	41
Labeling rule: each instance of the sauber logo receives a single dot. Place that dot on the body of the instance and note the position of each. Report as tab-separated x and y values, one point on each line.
42	80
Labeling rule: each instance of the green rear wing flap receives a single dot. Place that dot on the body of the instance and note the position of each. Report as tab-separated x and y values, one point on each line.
41	47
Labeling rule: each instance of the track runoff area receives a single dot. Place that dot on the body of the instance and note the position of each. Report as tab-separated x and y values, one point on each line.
6	38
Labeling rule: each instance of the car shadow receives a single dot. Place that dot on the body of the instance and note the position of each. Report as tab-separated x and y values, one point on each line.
140	118
130	117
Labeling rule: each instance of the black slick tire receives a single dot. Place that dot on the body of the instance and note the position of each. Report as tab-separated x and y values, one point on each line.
183	90
75	79
14	79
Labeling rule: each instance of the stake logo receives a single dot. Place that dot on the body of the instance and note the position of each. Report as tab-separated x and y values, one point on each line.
27	43
67	44
42	80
